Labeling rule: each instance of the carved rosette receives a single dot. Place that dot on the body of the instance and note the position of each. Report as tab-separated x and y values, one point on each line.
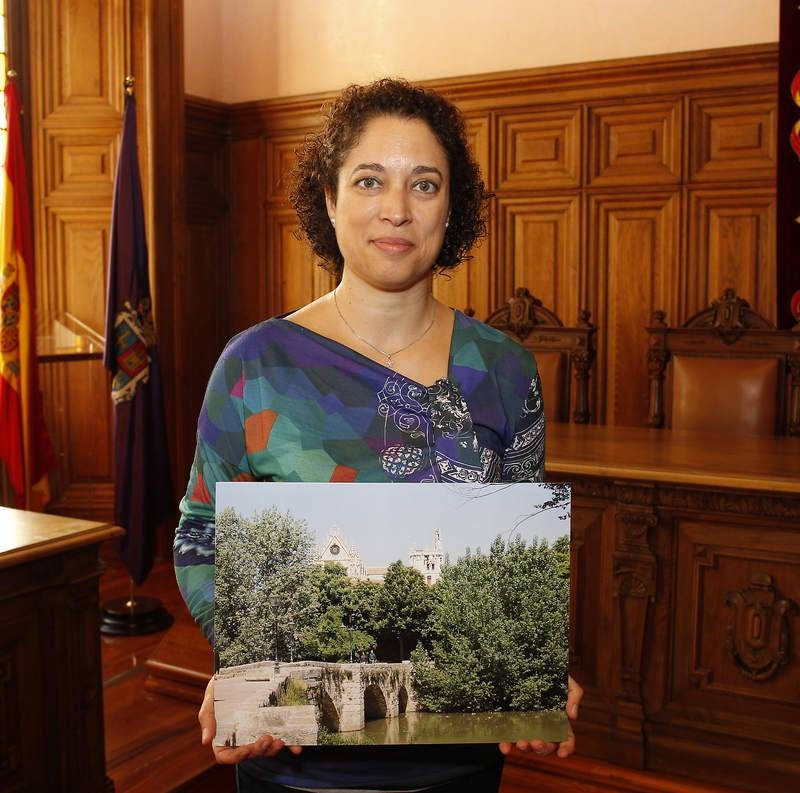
635	570
758	632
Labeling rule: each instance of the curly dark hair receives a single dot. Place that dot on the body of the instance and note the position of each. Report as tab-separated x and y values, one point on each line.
321	155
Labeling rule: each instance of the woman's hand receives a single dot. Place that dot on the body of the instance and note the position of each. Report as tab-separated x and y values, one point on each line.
265	746
565	748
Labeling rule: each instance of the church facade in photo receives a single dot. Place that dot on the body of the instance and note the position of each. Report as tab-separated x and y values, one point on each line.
427	561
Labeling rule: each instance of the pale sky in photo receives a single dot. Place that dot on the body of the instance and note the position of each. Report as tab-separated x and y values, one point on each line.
384	522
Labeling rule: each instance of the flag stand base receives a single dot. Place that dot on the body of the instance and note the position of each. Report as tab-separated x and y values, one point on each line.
134	616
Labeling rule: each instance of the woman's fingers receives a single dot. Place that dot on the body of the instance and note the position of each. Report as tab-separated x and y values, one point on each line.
206	718
574	697
566	748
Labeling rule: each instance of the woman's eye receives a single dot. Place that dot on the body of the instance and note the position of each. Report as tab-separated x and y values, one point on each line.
368	182
426	187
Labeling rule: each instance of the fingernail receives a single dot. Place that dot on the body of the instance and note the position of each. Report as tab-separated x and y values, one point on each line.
204	736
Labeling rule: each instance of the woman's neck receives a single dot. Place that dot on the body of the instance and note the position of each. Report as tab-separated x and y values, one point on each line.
387	319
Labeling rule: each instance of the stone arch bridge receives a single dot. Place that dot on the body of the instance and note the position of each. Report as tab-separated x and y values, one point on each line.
341	698
349	695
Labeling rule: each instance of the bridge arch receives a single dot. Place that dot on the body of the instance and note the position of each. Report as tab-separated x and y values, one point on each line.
402	699
374	703
329	715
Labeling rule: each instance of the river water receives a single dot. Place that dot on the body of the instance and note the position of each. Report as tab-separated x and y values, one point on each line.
464	727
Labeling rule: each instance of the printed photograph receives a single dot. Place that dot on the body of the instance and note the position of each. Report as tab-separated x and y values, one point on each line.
391	613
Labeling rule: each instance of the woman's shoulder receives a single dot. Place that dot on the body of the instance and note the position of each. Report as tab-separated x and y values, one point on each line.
253	341
477	345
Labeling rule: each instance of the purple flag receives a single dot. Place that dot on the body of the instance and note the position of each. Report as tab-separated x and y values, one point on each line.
142	488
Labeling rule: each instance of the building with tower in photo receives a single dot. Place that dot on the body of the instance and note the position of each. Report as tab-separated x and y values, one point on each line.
428	561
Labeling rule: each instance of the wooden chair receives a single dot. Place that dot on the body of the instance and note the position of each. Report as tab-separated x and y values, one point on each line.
727	369
562	353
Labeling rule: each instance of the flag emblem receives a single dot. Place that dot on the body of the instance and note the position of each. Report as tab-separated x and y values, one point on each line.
131	343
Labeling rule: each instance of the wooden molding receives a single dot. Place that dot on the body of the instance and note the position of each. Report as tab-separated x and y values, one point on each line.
635	144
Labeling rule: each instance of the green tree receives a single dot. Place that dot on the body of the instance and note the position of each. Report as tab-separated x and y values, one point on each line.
257	558
329	639
365	606
333	586
498	631
405	604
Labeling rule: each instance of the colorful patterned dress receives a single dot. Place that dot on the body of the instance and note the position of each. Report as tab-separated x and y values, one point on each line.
285	404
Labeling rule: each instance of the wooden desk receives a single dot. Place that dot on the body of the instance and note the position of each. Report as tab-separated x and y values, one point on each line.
51	701
686	571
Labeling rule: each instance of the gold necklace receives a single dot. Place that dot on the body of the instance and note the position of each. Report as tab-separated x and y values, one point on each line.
387	355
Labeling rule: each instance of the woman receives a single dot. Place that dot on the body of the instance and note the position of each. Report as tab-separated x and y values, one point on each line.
376	381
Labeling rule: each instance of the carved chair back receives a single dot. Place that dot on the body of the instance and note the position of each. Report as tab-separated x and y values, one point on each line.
727	369
563	354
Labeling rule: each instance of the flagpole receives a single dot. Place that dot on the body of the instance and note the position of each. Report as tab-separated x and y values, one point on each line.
132	615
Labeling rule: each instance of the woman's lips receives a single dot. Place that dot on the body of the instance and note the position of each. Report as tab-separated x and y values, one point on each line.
393	244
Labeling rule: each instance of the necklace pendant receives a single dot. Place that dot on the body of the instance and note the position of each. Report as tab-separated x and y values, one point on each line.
389	362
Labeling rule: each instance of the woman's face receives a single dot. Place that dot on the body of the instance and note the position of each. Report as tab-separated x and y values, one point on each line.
392	202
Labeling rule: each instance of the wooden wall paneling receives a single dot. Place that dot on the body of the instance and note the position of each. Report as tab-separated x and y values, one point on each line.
732	136
469	287
728	69
290	263
633	266
280	159
539	149
205	307
731	237
78	54
636	143
248	287
539	248
624	130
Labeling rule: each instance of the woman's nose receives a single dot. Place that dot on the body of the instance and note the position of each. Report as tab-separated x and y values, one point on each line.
395	207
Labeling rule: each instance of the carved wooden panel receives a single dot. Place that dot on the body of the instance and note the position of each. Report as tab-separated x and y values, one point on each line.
86	40
732	138
478	138
539	150
77	63
280	155
632	270
80	163
539	248
736	620
731	244
635	144
470	286
292	266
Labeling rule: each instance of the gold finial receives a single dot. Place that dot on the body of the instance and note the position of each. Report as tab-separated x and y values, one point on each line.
129	81
11	74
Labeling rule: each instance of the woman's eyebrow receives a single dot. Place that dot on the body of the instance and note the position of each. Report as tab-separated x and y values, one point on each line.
368	166
427	169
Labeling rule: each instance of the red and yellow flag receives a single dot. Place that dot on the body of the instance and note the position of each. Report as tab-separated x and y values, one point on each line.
24	444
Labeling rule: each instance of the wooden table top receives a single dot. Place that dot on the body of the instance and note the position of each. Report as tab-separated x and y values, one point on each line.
25	536
636	453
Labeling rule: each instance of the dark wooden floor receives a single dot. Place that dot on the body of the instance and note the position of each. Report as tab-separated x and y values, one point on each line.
153	741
